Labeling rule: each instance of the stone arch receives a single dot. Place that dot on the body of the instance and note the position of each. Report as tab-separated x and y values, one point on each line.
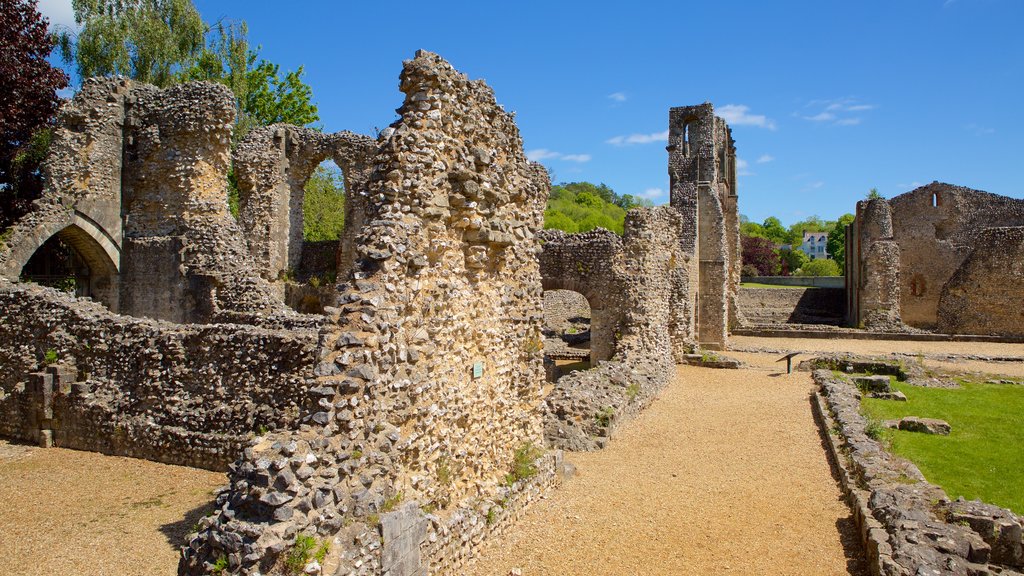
602	317
272	165
94	245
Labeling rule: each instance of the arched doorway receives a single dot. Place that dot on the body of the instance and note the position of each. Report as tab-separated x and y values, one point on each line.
75	261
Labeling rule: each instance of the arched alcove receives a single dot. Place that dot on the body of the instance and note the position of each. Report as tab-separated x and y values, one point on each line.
73	259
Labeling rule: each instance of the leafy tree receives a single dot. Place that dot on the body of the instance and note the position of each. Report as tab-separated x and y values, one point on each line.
792	260
28	103
748	228
873	194
820	267
582	206
774	231
812	224
263	97
836	244
761	254
147	40
323	207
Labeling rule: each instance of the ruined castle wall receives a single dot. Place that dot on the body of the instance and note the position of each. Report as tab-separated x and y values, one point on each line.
430	378
272	165
937	227
81	201
909	247
176	213
985	293
182	394
702	178
585	407
585	263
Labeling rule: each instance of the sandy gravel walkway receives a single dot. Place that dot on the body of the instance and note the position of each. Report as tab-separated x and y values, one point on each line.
723	474
65	512
884	347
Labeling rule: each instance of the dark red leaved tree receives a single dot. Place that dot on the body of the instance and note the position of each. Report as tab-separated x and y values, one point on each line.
761	254
28	99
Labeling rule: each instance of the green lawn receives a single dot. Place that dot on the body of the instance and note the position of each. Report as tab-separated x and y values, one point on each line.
759	285
983	457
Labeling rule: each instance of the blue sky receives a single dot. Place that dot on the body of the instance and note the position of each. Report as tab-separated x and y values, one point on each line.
826	98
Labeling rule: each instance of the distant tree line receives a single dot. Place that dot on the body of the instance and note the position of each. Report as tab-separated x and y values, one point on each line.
581	206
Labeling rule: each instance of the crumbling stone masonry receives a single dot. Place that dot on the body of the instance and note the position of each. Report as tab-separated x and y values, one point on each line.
640	325
177	393
272	165
702	178
136	184
909	526
905	252
430	370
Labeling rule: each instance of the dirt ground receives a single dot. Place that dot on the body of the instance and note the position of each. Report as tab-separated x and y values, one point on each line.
65	512
724	474
928	351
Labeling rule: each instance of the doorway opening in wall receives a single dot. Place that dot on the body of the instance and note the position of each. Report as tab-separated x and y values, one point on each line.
57	265
323	223
567	321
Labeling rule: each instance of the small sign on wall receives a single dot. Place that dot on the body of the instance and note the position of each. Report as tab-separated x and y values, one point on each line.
478	369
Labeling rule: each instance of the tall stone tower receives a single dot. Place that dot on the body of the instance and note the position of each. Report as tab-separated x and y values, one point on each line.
702	176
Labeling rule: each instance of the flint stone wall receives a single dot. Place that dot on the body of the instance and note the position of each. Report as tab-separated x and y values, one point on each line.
637	279
984	295
702	180
446	279
136	183
910	247
272	165
183	394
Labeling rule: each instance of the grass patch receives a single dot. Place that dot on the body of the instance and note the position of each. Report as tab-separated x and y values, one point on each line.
982	456
306	548
524	464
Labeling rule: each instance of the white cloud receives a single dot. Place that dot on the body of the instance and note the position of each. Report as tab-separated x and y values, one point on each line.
539	154
743	168
652	193
739	115
813	185
765	158
979	130
838	111
576	158
638	139
59	12
617	96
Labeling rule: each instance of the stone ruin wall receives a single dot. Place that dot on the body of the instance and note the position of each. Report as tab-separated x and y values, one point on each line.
136	182
446	277
639	327
985	293
183	394
272	165
907	249
702	180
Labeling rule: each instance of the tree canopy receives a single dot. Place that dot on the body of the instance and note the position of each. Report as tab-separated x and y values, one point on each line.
28	103
581	206
147	40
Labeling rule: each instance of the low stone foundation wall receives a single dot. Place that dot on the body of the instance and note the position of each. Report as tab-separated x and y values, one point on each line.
792	305
909	526
177	393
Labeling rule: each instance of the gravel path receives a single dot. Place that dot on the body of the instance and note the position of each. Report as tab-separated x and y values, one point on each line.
65	512
884	347
724	474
